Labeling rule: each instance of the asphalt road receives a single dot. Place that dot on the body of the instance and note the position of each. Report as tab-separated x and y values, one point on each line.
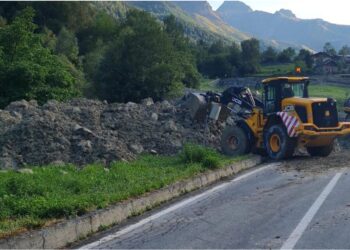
275	206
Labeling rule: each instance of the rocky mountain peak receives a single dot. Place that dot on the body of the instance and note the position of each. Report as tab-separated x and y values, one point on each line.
233	7
285	13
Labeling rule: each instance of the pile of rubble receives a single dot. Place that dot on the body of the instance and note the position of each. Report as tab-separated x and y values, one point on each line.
85	131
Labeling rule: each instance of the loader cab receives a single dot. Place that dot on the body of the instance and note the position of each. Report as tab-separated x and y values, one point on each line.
279	88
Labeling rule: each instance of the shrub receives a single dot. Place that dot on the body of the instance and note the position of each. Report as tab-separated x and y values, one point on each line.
192	153
207	157
211	161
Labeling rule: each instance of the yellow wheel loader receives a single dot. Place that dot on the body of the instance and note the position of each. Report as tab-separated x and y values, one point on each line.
285	118
278	122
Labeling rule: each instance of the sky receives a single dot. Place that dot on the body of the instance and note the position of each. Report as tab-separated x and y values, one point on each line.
335	11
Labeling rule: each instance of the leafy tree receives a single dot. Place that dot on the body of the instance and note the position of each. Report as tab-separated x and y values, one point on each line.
344	51
286	55
234	54
142	62
54	15
48	39
269	55
186	63
101	32
218	47
306	57
329	49
250	56
27	69
217	66
67	44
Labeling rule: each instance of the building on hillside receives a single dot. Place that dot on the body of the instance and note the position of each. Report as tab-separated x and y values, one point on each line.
320	57
326	67
324	63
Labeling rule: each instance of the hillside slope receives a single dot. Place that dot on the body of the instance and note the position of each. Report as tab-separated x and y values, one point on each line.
200	21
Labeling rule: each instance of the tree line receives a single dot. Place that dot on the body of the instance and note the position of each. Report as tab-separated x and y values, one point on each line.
61	50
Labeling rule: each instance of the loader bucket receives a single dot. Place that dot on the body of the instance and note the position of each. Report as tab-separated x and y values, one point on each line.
197	106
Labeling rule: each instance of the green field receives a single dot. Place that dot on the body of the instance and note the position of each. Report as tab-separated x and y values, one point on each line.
276	69
51	193
209	85
339	93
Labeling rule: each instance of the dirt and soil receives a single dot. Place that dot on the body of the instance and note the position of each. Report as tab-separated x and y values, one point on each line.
85	131
307	164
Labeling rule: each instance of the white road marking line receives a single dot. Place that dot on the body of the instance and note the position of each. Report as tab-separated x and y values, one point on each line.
305	221
181	204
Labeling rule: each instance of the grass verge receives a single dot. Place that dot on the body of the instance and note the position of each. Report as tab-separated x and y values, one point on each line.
52	193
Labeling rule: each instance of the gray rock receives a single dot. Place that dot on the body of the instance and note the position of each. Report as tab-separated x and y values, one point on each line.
153	152
18	105
147	102
154	117
33	103
85	146
76	110
57	163
82	130
25	171
136	149
8	163
170	126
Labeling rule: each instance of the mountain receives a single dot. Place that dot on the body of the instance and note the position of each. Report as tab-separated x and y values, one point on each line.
283	26
197	16
200	21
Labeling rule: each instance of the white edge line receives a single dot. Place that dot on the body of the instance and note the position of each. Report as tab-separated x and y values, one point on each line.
305	221
181	204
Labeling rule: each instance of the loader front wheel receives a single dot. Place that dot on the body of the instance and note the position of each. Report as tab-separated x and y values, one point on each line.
234	141
323	151
278	144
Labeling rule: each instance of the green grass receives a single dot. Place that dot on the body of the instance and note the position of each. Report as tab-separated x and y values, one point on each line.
209	85
276	69
339	93
51	193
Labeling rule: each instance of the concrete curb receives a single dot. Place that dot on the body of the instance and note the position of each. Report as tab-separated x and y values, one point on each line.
61	234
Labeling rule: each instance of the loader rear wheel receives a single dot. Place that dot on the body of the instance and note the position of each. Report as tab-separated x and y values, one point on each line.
278	144
234	141
323	151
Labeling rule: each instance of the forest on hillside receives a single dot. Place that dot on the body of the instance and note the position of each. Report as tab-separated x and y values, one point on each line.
62	50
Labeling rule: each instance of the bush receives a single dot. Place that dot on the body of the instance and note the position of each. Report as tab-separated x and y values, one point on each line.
207	157
211	161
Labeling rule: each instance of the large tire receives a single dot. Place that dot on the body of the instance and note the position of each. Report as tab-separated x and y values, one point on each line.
323	151
235	142
278	144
